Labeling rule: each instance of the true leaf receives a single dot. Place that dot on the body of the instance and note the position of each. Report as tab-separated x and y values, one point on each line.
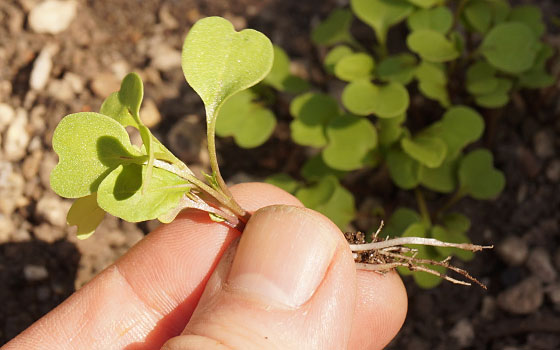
510	47
351	140
404	170
335	29
120	191
381	14
86	214
103	145
312	112
361	97
478	177
399	68
218	61
432	46
439	19
335	55
428	150
354	66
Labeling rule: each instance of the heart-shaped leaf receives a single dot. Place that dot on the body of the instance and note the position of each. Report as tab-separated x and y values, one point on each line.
335	55
334	29
103	145
428	150
478	15
510	47
390	130
315	169
361	97
284	181
481	78
432	46
280	77
120	191
86	214
478	177
399	68
312	112
381	14
441	179
438	18
354	66
537	76
404	170
530	15
351	140
497	98
432	82
218	61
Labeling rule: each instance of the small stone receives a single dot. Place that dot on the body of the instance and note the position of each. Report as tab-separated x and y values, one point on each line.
34	273
52	16
553	171
50	160
463	333
530	163
6	228
30	166
42	68
150	114
543	143
540	264
75	81
165	58
37	119
53	210
488	308
105	84
166	18
17	137
120	69
553	292
47	233
61	90
513	250
43	293
7	114
523	298
20	235
239	22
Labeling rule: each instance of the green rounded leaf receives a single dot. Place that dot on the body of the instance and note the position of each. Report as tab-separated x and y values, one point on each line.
284	181
218	61
89	145
426	3
432	46
86	214
119	193
381	14
399	221
497	98
390	129
315	168
399	68
481	78
439	19
510	47
432	82
351	140
530	15
445	234
335	55
441	179
428	150
537	76
404	170
478	177
312	112
354	66
361	97
479	15
334	29
280	68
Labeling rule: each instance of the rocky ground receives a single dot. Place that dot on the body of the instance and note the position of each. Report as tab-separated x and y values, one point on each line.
58	58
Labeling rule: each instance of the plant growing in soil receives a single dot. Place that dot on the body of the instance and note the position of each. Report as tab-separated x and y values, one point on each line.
100	167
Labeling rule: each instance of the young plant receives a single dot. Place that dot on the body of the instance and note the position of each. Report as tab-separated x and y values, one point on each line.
101	168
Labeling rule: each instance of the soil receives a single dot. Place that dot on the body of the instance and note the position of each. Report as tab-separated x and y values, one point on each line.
42	263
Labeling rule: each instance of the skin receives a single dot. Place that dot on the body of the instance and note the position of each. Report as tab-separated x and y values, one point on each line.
183	287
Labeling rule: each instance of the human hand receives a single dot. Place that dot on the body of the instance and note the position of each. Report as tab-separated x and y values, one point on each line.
288	283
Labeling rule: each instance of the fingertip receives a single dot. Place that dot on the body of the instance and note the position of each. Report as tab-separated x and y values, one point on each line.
255	195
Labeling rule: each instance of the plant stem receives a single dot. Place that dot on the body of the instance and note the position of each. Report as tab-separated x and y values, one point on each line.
458	12
423	207
415	240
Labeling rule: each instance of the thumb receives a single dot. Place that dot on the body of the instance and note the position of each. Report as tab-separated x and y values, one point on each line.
290	283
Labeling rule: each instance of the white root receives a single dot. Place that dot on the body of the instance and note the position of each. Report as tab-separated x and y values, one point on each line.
415	240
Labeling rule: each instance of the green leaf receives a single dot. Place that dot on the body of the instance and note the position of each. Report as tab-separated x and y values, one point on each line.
399	221
478	177
510	47
456	222
86	214
119	193
404	170
426	3
537	76
330	199
351	140
390	129
381	14
497	98
354	66
432	46
249	123
335	29
481	78
399	68
361	97
103	145
315	168
445	234
218	61
284	181
479	15
432	82
529	15
428	150
335	55
280	68
312	112
441	179
439	19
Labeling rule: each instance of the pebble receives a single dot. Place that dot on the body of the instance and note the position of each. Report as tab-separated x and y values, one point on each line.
530	163
463	333
76	82
513	250
7	114
6	228
488	307
166	18
42	68
17	137
105	84
30	166
47	233
540	264
553	171
164	57
524	298
150	114
61	90
53	210
543	143
34	273
553	292
52	16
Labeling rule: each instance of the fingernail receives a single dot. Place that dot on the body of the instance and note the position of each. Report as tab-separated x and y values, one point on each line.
283	256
